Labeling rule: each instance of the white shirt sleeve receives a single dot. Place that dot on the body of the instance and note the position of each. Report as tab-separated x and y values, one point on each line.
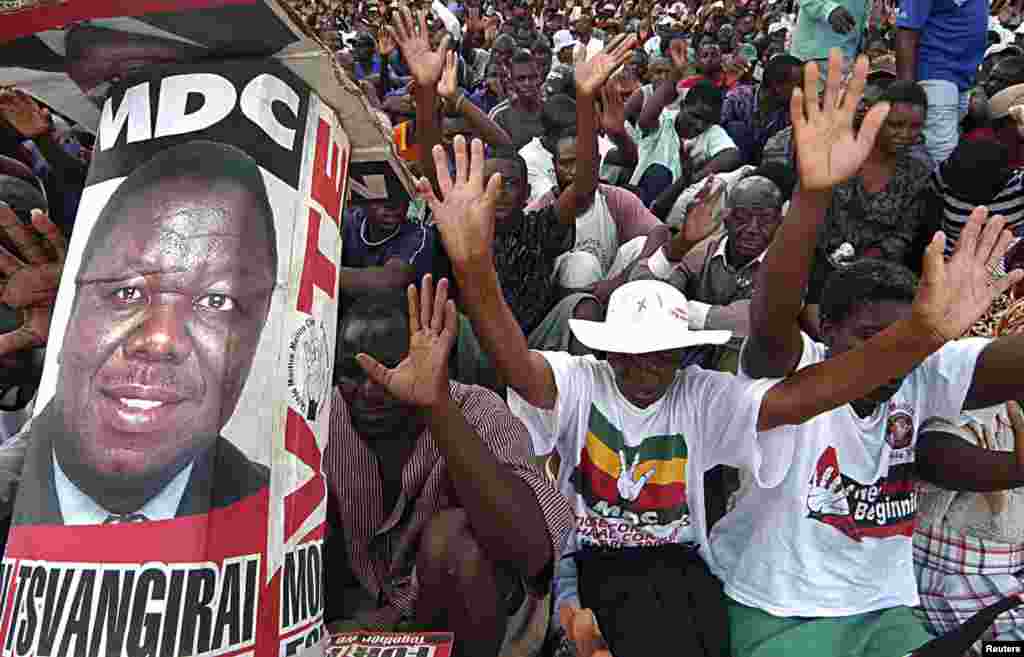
943	379
727	414
708	144
545	426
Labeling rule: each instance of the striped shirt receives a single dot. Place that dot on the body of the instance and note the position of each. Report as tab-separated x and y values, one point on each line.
381	546
956	211
520	125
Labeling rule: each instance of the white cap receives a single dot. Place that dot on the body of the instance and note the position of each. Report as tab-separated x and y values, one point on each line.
644	317
677	8
562	39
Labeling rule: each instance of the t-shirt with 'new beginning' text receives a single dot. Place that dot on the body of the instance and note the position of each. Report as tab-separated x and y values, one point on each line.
835	537
635	476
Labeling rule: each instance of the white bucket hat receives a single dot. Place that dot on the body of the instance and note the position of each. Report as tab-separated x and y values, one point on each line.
644	317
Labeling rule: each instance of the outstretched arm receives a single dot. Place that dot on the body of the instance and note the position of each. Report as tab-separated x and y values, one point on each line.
591	77
483	126
488	489
465	219
947	460
426	66
951	297
828	152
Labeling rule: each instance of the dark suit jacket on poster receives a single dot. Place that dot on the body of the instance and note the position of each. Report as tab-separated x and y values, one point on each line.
220	477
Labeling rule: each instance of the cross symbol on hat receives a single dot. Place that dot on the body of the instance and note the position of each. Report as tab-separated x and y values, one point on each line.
641	305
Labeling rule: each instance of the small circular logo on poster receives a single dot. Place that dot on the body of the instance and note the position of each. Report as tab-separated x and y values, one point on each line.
308	370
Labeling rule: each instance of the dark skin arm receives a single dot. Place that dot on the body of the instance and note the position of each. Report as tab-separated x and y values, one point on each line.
491	494
427	66
728	160
949	461
488	490
997	374
664	95
482	124
364	280
907	42
829	153
634	106
662	206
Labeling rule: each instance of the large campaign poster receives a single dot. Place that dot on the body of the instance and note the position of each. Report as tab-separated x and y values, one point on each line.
173	501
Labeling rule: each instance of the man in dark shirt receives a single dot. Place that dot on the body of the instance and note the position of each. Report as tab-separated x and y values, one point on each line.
382	249
520	115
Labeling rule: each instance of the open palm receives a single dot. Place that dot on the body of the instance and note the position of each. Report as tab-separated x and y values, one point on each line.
30	278
465	216
421	379
593	73
954	294
426	65
701	220
828	149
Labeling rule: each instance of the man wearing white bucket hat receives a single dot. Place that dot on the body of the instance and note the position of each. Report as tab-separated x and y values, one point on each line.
635	433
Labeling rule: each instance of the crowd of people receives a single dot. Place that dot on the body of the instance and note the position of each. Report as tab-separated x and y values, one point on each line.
701	330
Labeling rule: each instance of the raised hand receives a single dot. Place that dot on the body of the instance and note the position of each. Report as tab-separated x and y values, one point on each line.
31	278
629	486
426	65
23	113
448	86
421	379
613	110
580	626
954	294
592	74
465	218
828	151
701	220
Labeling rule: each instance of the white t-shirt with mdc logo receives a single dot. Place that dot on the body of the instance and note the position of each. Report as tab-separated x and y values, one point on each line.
835	537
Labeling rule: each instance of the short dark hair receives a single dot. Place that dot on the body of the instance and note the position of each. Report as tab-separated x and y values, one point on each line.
707	93
778	68
904	91
521	58
207	163
379	308
864	281
781	174
977	170
559	113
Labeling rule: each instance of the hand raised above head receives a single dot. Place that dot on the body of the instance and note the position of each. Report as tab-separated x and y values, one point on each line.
828	149
465	214
592	74
955	293
425	64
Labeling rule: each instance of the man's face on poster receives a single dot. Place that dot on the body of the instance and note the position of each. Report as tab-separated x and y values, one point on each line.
166	321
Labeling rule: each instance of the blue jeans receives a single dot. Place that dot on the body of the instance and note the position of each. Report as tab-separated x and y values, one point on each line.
947	106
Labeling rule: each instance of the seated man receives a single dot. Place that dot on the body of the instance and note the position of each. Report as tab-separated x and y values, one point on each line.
427	474
382	249
613	228
821	562
705	148
634	432
717	275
